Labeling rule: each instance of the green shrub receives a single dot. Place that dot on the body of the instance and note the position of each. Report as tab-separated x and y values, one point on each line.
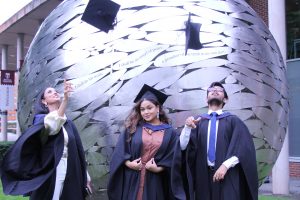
4	146
5	197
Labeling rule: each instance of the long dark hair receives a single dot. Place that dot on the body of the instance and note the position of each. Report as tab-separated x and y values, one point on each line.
135	117
39	107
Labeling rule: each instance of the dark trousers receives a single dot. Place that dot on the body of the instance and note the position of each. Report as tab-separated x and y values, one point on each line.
214	187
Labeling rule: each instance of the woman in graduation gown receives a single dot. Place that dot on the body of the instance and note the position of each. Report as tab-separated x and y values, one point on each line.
141	162
47	161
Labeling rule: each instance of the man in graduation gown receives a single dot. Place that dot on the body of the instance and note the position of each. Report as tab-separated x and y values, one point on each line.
215	158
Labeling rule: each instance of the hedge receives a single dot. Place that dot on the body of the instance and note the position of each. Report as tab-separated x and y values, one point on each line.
4	146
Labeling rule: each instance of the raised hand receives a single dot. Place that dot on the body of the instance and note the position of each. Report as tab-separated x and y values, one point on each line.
67	89
191	121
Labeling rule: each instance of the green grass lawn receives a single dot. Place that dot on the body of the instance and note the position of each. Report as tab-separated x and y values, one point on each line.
4	197
271	198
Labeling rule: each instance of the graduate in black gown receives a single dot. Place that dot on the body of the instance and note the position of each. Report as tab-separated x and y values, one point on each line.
141	162
47	162
215	158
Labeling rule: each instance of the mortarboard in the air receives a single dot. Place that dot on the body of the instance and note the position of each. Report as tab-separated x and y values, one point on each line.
101	14
192	40
149	93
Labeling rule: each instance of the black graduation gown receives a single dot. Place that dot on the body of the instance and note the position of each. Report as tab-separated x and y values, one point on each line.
123	183
29	166
190	171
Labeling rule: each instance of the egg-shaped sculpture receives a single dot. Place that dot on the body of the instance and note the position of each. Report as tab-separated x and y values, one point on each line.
147	45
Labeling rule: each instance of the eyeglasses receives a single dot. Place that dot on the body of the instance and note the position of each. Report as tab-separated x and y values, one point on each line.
215	90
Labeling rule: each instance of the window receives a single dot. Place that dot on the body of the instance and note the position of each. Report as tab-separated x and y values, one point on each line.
293	28
293	71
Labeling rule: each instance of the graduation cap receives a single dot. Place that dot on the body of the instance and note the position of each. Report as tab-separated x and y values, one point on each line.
192	40
149	93
101	14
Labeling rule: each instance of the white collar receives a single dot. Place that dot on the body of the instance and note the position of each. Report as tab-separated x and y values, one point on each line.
219	112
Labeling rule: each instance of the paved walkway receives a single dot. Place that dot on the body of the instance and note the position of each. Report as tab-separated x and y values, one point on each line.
266	189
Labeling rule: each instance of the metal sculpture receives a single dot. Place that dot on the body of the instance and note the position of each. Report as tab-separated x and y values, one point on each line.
147	46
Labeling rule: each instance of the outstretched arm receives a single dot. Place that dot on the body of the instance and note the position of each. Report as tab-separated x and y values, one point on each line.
67	89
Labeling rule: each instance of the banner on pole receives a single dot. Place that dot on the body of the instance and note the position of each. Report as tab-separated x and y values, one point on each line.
7	77
7	90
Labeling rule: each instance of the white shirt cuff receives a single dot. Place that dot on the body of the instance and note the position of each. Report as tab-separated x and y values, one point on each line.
53	122
231	162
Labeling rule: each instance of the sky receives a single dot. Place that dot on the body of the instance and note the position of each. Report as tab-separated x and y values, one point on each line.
9	7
